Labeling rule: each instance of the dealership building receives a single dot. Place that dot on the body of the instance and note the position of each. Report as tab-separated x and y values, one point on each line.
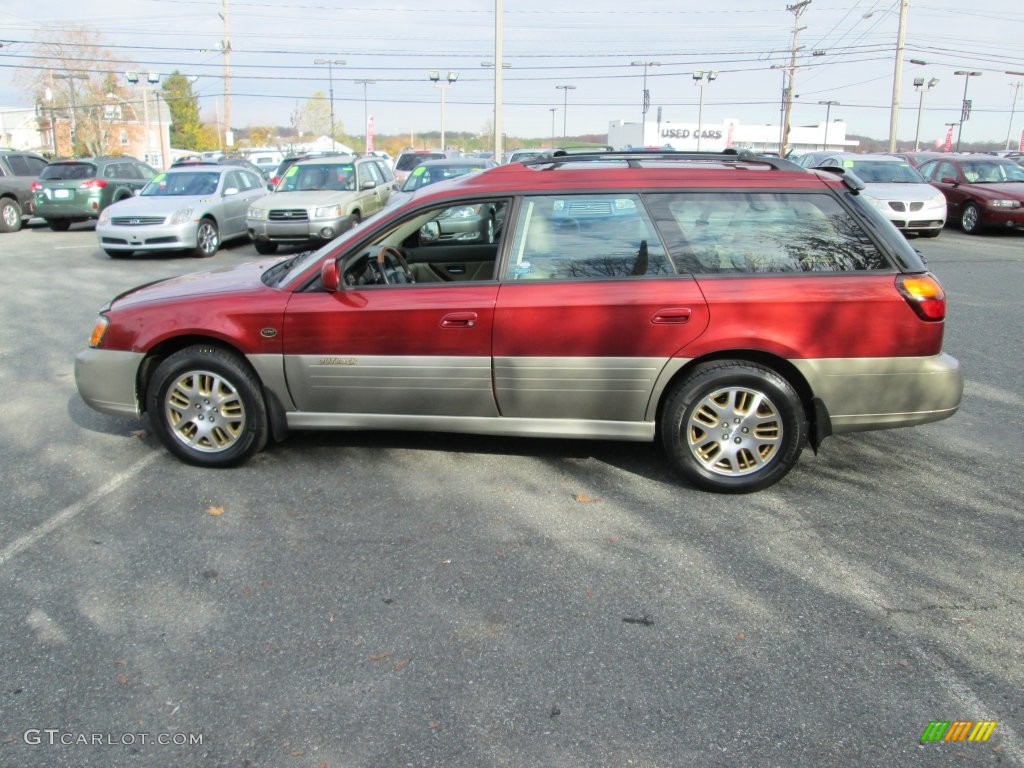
730	133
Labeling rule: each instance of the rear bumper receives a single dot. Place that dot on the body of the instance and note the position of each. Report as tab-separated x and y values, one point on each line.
879	393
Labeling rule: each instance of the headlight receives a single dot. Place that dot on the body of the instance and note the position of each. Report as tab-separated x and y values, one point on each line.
461	212
1004	203
882	205
104	217
260	214
330	210
181	215
98	330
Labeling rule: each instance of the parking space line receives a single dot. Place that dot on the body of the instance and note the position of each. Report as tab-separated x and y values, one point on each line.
68	513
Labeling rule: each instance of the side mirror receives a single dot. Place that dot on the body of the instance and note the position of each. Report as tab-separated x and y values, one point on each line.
368	184
329	275
230	191
430	232
948	180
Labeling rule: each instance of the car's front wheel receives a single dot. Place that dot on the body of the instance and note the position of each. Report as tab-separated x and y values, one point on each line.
733	427
207	239
207	407
10	215
970	220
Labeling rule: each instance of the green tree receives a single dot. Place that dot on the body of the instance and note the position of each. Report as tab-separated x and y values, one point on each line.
314	117
186	127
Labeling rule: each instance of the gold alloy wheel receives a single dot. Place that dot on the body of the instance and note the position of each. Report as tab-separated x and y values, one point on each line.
204	411
734	431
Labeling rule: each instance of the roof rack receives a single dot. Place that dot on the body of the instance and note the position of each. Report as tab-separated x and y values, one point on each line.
636	159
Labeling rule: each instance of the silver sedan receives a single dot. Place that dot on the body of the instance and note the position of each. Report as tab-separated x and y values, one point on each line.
192	208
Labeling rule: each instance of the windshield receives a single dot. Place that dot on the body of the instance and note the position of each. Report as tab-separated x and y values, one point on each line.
884	172
182	184
991	173
422	175
318	176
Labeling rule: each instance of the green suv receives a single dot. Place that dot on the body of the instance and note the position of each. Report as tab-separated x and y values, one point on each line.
77	190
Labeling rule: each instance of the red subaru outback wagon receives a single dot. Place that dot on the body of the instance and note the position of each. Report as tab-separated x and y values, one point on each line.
733	307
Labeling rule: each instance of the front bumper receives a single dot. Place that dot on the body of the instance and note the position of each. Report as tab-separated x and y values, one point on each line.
883	392
316	230
106	380
1002	218
148	237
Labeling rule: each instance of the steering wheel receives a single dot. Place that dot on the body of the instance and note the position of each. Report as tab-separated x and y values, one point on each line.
393	254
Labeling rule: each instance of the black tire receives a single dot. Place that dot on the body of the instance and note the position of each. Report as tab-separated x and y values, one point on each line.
58	225
10	215
226	419
970	219
748	408
118	254
264	248
207	239
356	217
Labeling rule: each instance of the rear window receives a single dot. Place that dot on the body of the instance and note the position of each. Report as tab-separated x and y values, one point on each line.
60	171
409	161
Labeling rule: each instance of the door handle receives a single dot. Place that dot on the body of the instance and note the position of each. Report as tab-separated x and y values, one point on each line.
671	315
459	320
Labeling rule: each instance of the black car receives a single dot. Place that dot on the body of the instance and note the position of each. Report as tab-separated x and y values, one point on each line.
18	170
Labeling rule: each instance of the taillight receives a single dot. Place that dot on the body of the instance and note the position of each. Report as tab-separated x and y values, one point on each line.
274	180
36	186
924	295
93	184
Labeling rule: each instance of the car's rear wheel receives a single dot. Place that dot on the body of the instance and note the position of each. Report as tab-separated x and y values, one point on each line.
207	407
10	215
207	239
733	427
58	225
264	248
117	254
970	220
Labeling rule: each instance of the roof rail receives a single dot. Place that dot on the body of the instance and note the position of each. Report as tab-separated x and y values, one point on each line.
635	159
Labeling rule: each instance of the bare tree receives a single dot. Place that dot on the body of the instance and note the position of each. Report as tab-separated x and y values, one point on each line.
77	81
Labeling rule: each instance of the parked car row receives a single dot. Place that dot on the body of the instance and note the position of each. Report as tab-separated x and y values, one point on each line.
920	191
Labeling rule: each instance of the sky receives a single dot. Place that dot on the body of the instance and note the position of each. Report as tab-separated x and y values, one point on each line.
847	55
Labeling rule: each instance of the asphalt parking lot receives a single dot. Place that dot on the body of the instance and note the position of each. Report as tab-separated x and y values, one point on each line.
353	600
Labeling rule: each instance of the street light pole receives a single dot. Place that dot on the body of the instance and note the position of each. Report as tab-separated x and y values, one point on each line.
921	87
366	115
965	109
828	113
435	77
698	78
647	98
331	63
565	108
552	110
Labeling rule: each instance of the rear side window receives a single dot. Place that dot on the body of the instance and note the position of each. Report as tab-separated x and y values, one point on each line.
409	161
762	232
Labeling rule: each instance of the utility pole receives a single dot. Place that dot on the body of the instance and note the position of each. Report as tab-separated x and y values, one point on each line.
897	74
1013	109
229	137
796	10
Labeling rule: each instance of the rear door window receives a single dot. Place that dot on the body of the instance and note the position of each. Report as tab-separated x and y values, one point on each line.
581	237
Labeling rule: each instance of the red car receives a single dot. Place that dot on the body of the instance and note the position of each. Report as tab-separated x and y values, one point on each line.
733	307
982	191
